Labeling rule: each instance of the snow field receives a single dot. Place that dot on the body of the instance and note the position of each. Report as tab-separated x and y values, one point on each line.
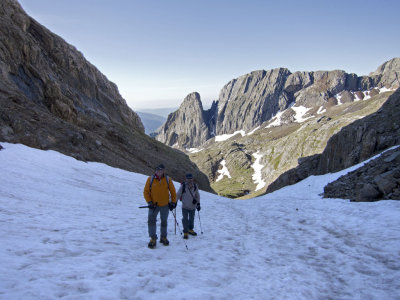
72	230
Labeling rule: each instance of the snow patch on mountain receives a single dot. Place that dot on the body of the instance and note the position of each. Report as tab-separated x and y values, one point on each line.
276	120
194	150
224	137
257	176
223	172
321	110
254	130
300	113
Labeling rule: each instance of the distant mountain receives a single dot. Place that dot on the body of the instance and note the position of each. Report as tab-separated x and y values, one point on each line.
266	122
51	97
252	99
150	121
164	112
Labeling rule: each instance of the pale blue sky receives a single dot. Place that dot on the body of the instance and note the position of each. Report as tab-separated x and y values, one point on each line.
158	51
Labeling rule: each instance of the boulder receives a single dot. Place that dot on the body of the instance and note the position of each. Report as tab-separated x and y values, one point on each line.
377	180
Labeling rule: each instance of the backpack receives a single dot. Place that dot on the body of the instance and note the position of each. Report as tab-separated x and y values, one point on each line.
152	179
184	188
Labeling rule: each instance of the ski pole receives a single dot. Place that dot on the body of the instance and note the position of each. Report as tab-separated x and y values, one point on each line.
201	227
176	222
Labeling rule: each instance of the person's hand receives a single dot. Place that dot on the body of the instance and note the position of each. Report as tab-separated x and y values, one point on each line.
171	206
198	207
151	205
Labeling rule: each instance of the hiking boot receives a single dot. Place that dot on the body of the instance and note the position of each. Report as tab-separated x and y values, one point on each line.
152	244
191	232
185	235
164	241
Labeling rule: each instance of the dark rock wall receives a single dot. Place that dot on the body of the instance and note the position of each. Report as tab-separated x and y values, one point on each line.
376	180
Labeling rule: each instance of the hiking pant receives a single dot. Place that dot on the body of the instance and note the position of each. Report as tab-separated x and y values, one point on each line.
152	219
188	219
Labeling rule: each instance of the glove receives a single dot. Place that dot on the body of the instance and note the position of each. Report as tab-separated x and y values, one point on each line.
151	205
194	201
198	207
171	206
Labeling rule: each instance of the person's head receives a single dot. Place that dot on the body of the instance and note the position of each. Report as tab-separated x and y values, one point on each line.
189	177
160	169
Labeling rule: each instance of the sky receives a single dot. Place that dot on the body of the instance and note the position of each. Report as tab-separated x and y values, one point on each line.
157	51
72	229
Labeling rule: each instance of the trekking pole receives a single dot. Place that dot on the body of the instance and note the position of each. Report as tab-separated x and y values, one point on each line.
176	222
200	222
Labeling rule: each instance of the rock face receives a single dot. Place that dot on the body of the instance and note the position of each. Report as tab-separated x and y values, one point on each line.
353	144
194	125
54	75
52	98
377	180
252	99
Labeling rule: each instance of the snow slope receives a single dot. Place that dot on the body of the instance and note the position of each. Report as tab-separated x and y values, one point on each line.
73	230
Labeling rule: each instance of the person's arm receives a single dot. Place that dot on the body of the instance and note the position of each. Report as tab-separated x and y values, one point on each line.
197	194
146	191
179	194
172	190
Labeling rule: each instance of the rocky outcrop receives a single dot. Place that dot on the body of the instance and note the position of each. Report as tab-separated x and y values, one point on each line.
51	97
376	180
353	144
194	125
388	74
252	99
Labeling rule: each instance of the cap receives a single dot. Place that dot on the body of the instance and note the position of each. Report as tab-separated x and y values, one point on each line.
160	167
189	176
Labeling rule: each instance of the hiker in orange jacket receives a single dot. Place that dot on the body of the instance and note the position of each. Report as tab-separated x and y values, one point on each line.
157	192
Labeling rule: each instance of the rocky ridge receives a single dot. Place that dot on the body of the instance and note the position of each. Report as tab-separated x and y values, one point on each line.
51	97
275	149
304	110
252	99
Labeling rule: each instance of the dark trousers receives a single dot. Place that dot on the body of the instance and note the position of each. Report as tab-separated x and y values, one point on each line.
188	219
152	219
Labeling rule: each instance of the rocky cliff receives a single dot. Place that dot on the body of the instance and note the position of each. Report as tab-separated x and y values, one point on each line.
247	163
189	126
51	97
352	144
252	99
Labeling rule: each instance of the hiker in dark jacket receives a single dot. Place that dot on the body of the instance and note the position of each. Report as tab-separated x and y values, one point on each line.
190	197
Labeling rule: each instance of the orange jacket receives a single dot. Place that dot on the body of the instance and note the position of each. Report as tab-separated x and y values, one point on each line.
159	193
